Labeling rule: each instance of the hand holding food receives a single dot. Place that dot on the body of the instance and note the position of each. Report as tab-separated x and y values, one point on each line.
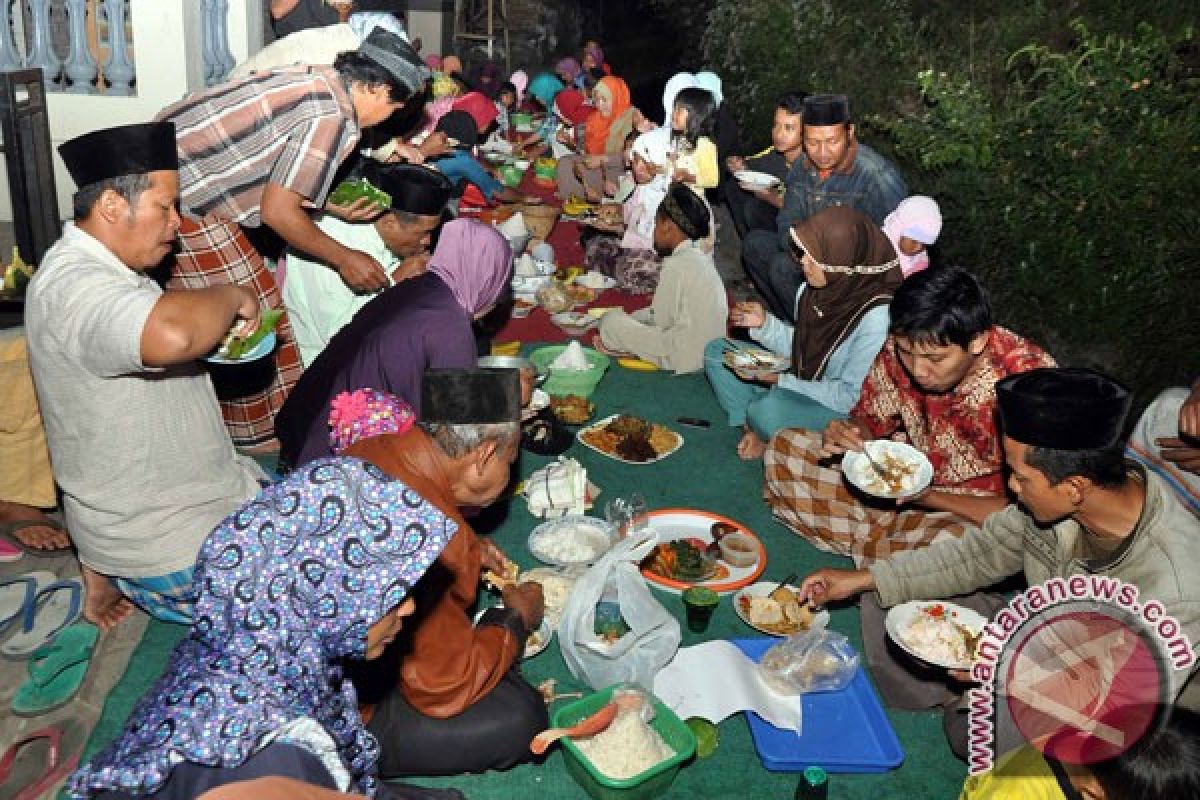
830	585
735	163
361	273
842	435
528	601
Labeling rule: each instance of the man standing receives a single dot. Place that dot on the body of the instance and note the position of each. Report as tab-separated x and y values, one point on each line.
461	704
934	382
835	170
132	421
264	151
1083	510
317	299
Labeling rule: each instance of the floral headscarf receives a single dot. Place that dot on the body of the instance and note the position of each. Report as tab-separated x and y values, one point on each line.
286	586
364	413
474	260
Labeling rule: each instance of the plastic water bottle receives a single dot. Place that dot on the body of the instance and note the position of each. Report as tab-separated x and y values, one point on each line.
814	784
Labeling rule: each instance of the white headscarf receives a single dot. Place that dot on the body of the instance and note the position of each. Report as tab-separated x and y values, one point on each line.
363	22
711	82
917	218
654	148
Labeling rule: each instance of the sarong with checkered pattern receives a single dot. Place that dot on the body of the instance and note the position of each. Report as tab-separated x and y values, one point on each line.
214	252
814	501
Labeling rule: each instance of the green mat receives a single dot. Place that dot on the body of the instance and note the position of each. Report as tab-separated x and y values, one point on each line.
704	474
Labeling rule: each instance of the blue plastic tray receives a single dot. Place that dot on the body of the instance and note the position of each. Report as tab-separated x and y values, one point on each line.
844	731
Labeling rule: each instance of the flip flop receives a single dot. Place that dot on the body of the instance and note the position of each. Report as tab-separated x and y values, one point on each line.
9	552
9	529
39	760
54	607
17	593
57	671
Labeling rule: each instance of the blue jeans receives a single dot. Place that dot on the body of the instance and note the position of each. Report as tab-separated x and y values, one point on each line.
766	409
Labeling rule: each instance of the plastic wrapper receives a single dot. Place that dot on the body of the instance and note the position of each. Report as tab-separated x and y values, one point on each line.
554	298
813	661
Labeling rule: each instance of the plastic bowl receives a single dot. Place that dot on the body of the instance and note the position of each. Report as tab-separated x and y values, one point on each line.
592	532
651	783
563	382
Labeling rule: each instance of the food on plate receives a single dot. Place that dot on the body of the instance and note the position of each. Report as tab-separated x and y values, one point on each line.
575	206
780	612
556	589
554	298
235	347
536	642
500	580
682	560
572	409
573	322
896	475
935	635
610	213
632	439
580	293
628	747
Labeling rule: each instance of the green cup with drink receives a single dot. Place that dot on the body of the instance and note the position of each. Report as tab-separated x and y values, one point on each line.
700	603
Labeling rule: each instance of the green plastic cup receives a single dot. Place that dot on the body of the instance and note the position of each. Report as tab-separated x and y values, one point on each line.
700	602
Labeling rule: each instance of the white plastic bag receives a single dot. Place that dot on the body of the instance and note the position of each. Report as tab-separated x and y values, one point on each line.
653	635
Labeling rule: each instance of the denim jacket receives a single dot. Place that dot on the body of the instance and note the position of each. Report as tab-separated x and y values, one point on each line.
871	184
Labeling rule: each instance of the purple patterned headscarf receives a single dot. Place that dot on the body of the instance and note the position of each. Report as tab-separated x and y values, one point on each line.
285	586
474	260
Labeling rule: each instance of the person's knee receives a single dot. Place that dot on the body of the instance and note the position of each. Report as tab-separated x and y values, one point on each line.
714	355
758	250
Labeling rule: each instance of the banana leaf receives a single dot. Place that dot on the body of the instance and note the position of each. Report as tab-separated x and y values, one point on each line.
239	347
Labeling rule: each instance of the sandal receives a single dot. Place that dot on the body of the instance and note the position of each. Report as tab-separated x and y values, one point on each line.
9	529
27	770
57	671
17	593
53	608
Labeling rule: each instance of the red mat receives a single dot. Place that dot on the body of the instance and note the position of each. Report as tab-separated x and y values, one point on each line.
568	252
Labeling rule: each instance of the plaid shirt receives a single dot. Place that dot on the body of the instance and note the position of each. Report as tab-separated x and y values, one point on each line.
292	127
958	429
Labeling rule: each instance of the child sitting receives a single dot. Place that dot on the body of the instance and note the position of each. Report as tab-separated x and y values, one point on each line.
693	154
626	251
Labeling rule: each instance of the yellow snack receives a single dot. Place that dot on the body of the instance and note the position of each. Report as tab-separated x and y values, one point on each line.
637	364
506	349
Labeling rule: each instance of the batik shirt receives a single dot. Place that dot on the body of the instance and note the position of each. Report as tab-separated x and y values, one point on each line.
956	430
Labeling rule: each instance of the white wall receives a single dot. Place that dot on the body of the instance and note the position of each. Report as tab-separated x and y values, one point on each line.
168	54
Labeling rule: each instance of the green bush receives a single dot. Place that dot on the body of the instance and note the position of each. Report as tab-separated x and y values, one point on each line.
1066	161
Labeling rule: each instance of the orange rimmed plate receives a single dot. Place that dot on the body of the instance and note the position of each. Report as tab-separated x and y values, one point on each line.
670	524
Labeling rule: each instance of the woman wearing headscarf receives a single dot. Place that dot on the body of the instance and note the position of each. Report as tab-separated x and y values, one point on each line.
625	251
314	570
689	308
543	91
912	227
605	131
422	323
851	271
569	71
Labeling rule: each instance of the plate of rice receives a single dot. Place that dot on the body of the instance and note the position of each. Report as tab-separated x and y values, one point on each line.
572	540
939	633
906	470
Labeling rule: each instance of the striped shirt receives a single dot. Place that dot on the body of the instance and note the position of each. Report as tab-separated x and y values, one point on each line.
292	127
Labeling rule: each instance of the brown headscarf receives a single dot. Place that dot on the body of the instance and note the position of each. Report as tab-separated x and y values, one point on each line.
863	272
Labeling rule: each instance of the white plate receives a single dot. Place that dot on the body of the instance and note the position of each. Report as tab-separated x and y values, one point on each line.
762	589
595	280
538	641
760	180
610	418
680	523
592	532
574	321
861	474
900	617
756	361
260	350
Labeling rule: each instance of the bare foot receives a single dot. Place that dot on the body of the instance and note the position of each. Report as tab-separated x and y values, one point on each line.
751	448
105	606
35	537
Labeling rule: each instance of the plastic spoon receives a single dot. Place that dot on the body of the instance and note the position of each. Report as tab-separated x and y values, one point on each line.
588	726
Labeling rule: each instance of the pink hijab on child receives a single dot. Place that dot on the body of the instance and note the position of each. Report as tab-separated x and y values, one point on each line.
918	218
